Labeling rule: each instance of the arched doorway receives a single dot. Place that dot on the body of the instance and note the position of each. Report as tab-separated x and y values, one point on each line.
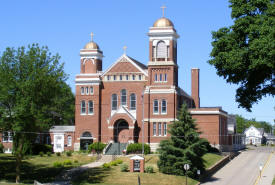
121	131
85	140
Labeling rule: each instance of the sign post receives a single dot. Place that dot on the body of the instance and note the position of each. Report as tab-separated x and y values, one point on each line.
186	167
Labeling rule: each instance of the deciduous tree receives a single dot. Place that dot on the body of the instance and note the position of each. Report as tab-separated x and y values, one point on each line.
244	53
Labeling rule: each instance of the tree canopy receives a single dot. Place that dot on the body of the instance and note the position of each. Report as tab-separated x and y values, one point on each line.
184	147
244	53
33	95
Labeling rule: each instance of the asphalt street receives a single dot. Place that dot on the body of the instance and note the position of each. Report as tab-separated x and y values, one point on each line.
244	168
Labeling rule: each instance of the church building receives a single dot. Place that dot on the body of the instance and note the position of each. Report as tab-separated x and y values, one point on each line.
132	102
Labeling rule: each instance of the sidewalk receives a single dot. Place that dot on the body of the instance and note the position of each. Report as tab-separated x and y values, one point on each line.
268	172
66	177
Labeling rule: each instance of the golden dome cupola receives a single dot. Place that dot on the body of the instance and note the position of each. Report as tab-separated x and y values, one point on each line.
163	22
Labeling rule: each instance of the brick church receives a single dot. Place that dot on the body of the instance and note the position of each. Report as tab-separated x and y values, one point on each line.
133	102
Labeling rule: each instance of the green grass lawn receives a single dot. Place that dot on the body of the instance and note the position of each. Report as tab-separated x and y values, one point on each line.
210	159
114	176
38	168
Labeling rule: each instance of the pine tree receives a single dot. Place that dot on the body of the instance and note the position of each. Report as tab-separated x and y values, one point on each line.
184	147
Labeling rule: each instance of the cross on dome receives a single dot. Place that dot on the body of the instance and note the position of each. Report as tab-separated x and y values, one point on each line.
163	8
92	35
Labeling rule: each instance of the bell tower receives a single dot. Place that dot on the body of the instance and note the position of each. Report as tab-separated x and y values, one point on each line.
91	58
162	66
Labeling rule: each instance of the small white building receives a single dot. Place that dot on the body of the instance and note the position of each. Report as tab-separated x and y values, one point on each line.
254	135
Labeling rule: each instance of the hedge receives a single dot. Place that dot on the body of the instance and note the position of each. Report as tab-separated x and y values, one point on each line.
97	146
136	148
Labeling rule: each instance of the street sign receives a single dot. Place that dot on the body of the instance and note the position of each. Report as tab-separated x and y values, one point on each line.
186	167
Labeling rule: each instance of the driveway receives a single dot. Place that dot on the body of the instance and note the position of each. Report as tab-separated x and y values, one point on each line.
244	169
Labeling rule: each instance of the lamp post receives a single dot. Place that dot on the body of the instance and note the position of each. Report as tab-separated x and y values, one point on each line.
186	167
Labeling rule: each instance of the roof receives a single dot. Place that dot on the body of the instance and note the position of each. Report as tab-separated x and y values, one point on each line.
261	130
137	157
141	67
62	128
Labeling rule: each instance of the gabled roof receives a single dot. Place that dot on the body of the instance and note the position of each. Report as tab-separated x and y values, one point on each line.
141	67
261	130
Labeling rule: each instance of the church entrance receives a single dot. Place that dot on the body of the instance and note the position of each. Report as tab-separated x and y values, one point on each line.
121	131
85	140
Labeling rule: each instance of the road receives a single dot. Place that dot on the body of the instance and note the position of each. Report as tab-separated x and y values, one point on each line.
244	168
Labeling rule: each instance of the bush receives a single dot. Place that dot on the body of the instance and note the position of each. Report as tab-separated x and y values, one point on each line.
75	161
106	165
37	148
58	164
69	153
119	161
1	148
124	168
41	154
149	169
49	154
135	148
58	154
97	147
67	162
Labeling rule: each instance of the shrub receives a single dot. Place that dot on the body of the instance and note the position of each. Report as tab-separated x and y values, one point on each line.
69	153
119	161
41	154
106	165
58	154
1	148
58	164
124	167
49	154
75	161
137	148
97	146
149	169
37	148
67	162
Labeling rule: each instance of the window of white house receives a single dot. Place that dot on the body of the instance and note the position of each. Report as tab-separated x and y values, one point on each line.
161	50
69	141
114	77
108	77
83	107
7	137
133	77
114	101
133	101
91	107
156	106
127	77
165	77
139	77
120	77
163	106
164	129
156	77
123	97
154	129
82	90
160	77
87	90
91	90
159	130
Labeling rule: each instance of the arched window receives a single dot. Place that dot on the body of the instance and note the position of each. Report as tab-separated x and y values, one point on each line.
114	102
83	107
133	101
91	107
123	96
87	135
161	50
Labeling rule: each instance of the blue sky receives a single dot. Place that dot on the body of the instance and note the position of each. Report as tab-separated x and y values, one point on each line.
65	26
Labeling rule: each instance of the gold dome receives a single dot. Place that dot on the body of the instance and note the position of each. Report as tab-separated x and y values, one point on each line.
163	22
91	45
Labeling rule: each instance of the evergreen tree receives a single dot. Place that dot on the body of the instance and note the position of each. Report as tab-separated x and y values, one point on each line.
184	147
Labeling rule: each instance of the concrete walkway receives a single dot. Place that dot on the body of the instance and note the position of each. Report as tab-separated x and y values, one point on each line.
67	176
268	171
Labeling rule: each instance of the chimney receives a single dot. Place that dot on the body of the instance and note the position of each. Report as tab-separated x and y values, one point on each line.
195	72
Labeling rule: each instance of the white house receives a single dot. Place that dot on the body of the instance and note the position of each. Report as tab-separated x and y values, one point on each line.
254	135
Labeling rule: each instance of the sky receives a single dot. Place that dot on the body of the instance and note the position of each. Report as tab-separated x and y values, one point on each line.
65	26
